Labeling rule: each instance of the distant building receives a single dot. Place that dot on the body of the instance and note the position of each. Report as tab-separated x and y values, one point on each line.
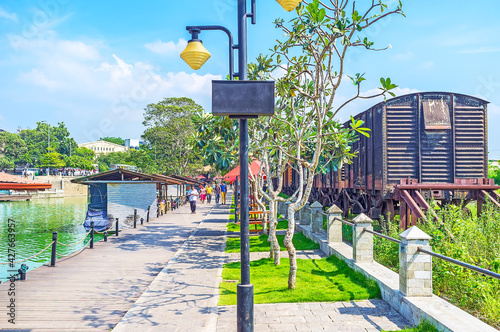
103	147
132	143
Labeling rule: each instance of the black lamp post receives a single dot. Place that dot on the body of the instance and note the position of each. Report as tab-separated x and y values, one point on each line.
196	55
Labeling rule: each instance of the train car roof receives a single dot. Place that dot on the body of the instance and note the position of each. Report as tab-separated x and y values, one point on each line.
420	93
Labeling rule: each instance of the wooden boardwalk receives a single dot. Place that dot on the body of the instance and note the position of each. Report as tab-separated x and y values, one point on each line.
93	290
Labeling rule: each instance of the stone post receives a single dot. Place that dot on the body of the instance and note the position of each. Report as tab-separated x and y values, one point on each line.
317	217
362	242
280	208
415	268
305	215
285	213
334	226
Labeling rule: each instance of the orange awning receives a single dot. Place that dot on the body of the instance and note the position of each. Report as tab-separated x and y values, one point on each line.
232	174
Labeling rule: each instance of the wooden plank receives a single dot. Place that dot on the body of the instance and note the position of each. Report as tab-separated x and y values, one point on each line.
93	290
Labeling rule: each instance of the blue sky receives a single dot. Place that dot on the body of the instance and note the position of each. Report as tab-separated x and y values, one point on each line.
96	64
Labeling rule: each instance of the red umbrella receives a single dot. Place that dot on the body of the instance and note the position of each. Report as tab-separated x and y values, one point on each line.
232	174
201	177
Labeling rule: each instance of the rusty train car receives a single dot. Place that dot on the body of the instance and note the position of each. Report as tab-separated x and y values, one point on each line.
421	145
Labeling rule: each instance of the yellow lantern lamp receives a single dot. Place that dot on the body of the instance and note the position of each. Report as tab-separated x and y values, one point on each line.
289	5
195	54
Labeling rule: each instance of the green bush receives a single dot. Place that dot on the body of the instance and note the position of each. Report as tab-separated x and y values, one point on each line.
468	238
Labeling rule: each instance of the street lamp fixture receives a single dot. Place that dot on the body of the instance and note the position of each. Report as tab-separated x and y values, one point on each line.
289	5
196	55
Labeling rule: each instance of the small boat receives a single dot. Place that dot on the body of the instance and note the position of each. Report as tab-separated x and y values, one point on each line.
97	209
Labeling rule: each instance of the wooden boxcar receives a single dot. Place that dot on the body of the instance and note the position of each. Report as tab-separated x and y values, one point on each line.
422	138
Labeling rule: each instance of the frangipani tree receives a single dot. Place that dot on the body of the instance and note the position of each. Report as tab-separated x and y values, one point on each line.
305	133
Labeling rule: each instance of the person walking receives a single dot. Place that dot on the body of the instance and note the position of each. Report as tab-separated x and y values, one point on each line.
203	194
217	194
223	190
193	196
209	193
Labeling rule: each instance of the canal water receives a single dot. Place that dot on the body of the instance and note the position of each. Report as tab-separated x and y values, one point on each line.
34	221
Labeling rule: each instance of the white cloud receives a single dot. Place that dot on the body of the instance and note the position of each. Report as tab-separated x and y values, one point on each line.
7	15
99	94
403	56
169	48
426	65
477	50
36	77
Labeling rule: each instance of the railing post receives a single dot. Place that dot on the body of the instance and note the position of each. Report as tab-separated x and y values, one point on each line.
117	228
54	248
280	208
147	216
334	225
285	213
317	217
135	218
305	215
105	236
142	221
362	242
91	235
415	268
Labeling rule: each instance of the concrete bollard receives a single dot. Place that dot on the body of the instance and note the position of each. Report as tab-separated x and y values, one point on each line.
285	212
317	217
305	215
415	268
362	242
281	206
334	225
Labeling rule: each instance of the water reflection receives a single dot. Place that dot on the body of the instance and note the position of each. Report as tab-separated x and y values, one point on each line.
34	223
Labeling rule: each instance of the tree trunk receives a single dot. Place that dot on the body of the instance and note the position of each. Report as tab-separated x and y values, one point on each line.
272	239
292	275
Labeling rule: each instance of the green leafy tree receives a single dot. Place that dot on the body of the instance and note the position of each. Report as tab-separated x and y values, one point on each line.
61	140
6	163
106	160
84	153
116	140
305	133
79	162
38	141
217	139
13	149
168	136
52	159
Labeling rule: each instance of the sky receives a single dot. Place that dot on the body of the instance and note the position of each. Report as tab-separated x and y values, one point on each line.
95	65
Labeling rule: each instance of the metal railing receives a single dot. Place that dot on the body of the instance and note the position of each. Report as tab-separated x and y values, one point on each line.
463	264
55	242
345	221
381	235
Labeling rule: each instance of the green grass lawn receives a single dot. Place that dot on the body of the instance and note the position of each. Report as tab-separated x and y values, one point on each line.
318	280
424	326
259	243
232	227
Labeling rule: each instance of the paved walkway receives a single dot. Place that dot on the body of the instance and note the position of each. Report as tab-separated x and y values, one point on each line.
184	295
170	283
93	290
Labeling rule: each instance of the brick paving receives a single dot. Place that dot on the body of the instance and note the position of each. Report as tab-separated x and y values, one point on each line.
368	316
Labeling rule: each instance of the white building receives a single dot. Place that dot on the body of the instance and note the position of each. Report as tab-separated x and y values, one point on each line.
103	147
132	143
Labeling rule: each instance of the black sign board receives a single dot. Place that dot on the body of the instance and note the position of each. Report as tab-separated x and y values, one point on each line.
243	99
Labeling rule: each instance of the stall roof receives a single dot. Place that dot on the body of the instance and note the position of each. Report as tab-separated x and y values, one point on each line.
171	180
119	175
12	182
187	180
